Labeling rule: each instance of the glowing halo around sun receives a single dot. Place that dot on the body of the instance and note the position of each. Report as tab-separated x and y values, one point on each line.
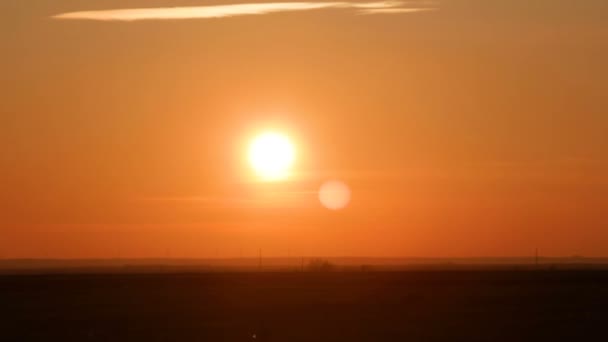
334	195
271	155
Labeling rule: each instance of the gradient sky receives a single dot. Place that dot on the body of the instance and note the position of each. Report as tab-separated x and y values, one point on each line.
478	128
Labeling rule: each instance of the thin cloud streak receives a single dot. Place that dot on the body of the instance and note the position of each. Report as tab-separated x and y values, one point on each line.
394	10
224	11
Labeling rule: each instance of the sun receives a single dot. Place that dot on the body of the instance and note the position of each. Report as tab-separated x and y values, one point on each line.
271	155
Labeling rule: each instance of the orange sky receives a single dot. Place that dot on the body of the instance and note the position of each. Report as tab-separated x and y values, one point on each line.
479	128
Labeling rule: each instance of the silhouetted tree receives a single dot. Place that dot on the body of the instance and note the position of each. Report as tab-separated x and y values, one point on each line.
320	265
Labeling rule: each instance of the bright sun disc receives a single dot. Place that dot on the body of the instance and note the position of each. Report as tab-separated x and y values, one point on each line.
271	155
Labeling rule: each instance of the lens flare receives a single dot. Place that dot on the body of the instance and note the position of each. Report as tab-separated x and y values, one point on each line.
334	195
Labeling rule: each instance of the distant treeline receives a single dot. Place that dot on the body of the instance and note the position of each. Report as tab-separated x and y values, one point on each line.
302	264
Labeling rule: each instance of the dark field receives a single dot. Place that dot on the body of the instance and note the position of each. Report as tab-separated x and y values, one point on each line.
340	306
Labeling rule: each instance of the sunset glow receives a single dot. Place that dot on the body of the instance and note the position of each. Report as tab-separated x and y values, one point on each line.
330	128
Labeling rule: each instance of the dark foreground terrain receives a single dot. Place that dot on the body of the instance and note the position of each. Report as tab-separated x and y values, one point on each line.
339	306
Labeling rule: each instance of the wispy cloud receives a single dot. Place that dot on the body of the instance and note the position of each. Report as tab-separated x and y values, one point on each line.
394	10
223	11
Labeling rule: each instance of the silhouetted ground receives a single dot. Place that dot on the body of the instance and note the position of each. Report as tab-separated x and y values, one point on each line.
289	307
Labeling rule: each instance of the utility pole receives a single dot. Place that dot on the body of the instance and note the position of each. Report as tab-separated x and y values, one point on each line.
260	260
536	257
